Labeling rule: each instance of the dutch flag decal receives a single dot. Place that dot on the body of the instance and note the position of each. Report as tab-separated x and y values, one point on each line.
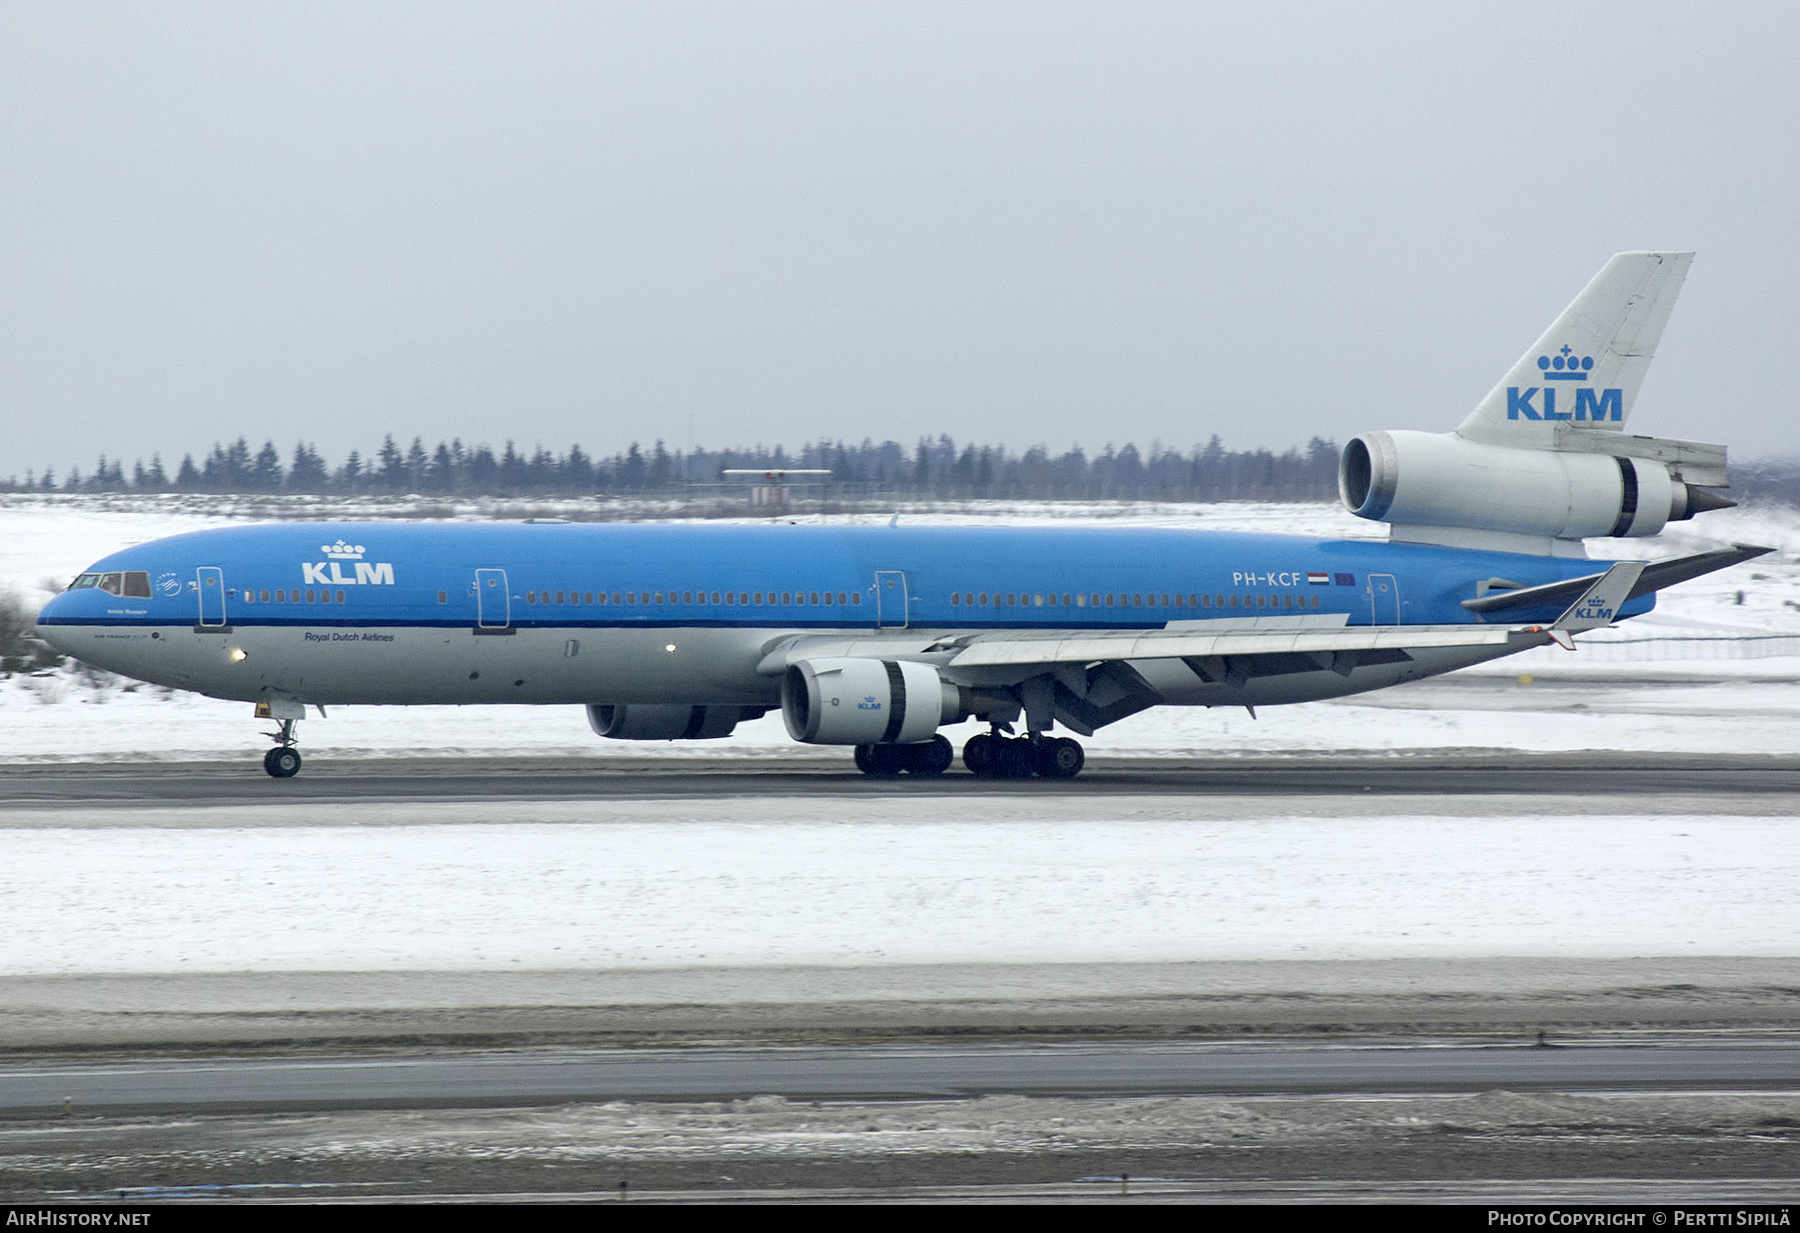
1319	580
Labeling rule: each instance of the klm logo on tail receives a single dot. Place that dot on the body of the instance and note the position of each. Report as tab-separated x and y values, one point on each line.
366	572
1589	404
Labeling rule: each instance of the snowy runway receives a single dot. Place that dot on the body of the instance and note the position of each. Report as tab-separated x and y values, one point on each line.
534	885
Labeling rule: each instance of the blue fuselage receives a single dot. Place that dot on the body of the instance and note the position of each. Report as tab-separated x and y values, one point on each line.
561	612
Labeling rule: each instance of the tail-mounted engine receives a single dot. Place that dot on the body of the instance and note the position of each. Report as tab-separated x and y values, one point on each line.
866	702
1420	480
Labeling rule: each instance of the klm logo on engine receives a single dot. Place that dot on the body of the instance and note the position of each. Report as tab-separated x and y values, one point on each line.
1539	402
868	704
331	572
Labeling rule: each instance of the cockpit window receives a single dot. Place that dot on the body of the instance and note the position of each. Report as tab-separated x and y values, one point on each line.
137	584
86	580
112	584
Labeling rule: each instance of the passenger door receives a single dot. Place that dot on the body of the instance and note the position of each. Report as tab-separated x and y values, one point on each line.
493	606
1384	599
211	581
890	599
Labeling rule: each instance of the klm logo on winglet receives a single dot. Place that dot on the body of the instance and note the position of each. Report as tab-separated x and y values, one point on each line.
331	573
1565	365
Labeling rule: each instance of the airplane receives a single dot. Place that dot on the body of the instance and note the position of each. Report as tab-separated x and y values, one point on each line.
874	637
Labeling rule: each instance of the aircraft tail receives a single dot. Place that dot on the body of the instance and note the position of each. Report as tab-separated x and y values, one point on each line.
1584	373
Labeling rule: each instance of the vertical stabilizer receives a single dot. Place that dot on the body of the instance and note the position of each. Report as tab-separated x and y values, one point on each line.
1585	371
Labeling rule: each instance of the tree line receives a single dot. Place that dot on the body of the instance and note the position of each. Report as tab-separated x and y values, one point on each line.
937	468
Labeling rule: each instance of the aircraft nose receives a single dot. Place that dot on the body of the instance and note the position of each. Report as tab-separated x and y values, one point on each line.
46	630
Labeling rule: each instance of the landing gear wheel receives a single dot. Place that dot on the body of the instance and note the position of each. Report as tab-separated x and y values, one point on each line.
1060	758
978	754
282	762
1015	759
881	761
933	757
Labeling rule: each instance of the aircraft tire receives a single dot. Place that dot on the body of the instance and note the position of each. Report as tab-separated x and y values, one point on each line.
882	761
1015	759
1060	758
978	755
282	762
930	758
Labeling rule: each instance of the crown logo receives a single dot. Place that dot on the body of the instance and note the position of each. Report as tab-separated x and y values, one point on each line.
1565	365
341	551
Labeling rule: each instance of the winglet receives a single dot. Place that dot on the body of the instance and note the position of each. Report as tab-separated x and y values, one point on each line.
1599	604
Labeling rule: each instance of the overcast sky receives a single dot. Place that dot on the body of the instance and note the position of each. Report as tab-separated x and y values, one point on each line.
747	222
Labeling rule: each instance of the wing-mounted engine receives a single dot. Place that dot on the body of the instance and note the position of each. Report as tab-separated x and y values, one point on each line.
1544	461
856	701
641	722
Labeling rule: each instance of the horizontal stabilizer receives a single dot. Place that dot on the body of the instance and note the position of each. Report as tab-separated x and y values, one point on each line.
1655	577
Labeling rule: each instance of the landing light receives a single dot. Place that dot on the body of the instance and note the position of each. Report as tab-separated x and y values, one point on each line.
670	647
238	655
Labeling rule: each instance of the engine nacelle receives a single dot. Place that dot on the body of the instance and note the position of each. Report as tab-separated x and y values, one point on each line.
866	702
640	722
1442	480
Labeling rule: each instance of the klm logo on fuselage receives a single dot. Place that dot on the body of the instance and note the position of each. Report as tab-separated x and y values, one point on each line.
331	572
1590	404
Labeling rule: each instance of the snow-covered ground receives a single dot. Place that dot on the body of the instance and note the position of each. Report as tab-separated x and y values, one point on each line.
519	885
1716	668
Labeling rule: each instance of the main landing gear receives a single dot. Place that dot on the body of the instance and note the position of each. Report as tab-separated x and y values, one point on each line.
931	757
283	761
992	756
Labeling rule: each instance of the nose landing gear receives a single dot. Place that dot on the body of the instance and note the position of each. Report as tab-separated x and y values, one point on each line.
283	761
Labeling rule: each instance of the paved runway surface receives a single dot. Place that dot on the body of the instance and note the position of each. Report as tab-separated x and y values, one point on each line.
849	1072
815	774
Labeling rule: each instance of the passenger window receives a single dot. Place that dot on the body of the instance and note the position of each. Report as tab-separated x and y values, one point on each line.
1234	601
1206	601
955	599
984	599
263	598
281	597
1081	601
1193	601
787	597
1315	601
340	597
1037	599
1287	601
559	597
1109	599
815	597
443	596
531	597
1262	601
310	597
1053	599
855	598
715	597
688	598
